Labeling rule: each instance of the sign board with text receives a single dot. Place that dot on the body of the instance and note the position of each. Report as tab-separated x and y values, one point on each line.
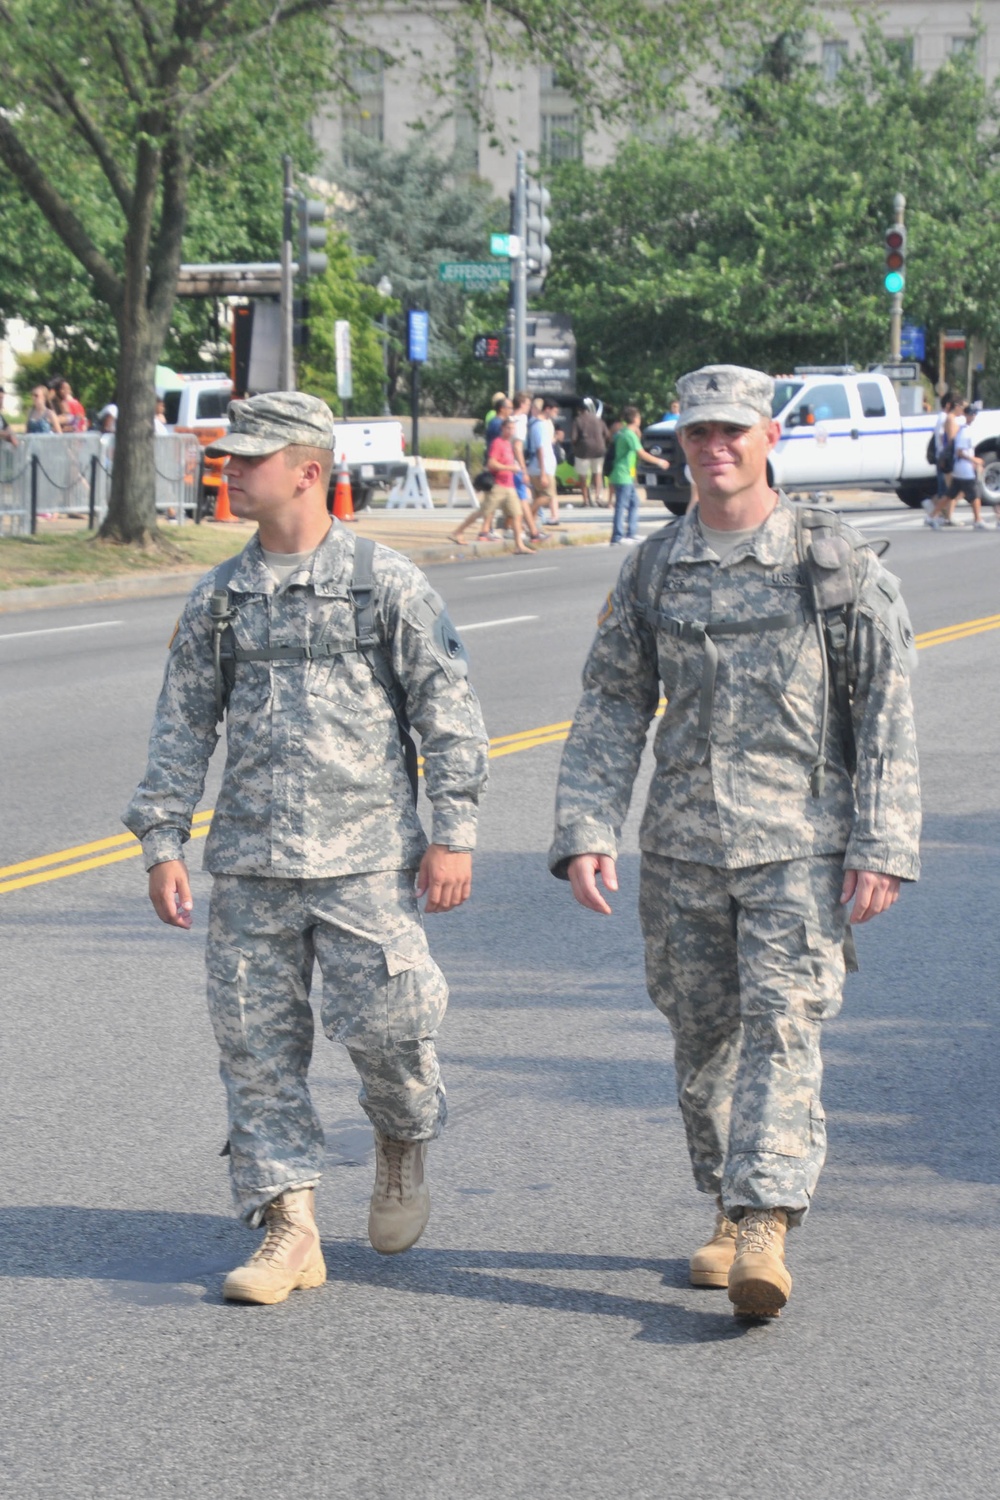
474	273
551	367
418	336
342	345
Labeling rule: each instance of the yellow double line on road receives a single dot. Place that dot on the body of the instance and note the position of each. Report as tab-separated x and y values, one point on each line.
109	851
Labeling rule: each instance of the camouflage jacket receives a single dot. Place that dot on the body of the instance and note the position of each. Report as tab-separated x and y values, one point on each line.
746	798
315	782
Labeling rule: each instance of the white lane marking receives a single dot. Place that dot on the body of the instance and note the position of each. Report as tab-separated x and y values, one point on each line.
485	624
20	635
514	573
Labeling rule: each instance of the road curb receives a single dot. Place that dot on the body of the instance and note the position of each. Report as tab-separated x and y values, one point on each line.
164	585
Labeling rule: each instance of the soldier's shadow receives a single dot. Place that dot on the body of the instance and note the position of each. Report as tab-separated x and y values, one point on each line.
541	1280
151	1258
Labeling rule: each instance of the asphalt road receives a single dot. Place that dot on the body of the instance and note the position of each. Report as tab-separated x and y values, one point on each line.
541	1341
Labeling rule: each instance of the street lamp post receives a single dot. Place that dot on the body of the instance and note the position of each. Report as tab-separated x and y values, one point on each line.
384	289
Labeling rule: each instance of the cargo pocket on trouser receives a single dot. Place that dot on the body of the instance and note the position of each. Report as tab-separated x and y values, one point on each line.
263	1025
385	1002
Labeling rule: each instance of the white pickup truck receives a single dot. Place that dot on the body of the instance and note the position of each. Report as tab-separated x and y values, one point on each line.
839	429
373	448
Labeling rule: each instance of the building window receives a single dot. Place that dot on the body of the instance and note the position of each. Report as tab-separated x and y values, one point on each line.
965	48
364	112
560	138
559	125
901	53
833	59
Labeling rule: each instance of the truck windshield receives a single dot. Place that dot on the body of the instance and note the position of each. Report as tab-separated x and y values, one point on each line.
784	391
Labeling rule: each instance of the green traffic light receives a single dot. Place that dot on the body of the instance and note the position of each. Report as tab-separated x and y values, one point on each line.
894	281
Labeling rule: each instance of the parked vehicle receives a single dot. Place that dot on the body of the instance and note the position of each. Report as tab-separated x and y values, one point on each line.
373	448
839	429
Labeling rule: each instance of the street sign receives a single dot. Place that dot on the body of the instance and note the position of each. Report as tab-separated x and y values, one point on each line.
342	344
500	244
418	335
901	370
953	338
488	348
551	365
474	273
913	341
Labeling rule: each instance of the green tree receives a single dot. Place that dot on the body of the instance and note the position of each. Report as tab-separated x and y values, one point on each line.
340	294
111	113
760	241
409	211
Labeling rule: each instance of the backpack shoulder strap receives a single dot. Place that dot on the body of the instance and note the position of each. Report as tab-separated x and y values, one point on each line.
223	639
371	647
827	556
654	559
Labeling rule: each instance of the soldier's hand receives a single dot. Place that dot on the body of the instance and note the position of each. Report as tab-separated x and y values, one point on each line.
583	872
170	893
872	893
445	878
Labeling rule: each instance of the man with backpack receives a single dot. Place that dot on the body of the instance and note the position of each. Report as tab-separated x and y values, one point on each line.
321	650
785	789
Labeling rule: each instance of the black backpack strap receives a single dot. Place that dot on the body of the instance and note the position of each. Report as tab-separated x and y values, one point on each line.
223	639
654	559
369	644
829	567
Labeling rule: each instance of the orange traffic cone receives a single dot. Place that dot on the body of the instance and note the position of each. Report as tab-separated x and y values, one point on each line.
222	511
343	503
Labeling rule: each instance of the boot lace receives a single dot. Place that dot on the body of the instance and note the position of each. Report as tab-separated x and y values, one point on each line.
394	1169
281	1232
725	1229
758	1232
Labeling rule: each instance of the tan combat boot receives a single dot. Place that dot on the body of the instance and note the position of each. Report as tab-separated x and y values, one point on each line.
290	1258
401	1203
709	1266
759	1282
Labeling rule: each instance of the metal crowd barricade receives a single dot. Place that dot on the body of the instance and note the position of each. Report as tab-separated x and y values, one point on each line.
70	474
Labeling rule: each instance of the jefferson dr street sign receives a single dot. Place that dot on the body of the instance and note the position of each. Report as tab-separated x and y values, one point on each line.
474	272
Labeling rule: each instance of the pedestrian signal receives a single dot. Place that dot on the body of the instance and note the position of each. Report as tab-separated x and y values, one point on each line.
895	258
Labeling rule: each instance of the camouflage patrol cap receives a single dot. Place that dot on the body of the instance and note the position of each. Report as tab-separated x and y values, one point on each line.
266	424
725	393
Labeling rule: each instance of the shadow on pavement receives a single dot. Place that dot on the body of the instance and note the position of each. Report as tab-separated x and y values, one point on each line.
180	1258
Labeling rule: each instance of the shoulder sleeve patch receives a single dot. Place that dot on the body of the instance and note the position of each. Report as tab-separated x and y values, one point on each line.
606	611
173	633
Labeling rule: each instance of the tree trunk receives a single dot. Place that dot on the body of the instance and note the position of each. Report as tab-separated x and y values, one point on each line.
131	516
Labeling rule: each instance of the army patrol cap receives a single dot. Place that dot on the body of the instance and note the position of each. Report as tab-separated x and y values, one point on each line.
725	393
266	424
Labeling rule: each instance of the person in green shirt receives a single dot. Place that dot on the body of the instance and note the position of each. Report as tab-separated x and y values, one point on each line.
625	526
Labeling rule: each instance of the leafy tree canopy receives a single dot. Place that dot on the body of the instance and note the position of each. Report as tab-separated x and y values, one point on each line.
760	240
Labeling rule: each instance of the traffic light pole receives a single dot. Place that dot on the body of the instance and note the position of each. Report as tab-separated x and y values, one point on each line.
519	275
896	308
286	363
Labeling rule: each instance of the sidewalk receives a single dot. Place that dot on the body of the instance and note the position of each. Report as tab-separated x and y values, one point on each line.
421	535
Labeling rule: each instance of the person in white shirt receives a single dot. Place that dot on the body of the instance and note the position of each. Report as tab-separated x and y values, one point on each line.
542	462
963	474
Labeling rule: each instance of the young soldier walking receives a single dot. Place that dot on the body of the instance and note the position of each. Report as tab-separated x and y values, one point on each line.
785	788
320	650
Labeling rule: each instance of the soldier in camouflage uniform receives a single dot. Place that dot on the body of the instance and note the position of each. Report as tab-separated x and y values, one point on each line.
756	835
315	840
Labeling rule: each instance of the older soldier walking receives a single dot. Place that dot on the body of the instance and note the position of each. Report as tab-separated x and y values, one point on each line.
785	788
321	650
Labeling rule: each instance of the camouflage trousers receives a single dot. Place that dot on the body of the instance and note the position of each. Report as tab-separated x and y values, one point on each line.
746	965
383	997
